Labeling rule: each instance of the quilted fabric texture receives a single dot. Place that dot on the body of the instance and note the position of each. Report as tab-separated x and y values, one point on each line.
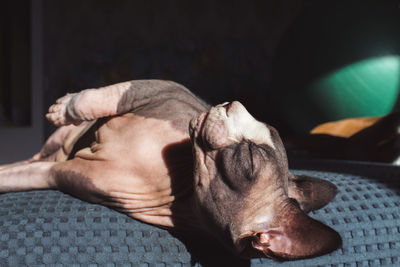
50	228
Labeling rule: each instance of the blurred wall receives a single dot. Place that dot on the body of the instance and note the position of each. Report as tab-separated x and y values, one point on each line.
15	62
221	50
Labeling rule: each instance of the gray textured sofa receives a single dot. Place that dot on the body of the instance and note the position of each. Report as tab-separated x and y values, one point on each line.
49	228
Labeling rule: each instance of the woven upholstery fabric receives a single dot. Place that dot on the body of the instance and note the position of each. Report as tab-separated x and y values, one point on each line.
50	228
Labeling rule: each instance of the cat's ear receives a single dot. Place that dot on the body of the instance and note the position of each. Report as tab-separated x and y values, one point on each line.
296	236
311	193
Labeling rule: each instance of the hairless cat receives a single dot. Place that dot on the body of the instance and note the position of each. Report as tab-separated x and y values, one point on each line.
154	151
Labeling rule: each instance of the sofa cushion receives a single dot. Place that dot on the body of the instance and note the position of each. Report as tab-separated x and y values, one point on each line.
52	228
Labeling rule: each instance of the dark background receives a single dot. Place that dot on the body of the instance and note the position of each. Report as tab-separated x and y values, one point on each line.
251	51
221	50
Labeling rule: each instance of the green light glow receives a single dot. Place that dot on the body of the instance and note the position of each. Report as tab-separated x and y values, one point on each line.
366	88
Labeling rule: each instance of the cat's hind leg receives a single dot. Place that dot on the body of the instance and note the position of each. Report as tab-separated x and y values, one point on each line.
11	165
49	149
53	144
28	176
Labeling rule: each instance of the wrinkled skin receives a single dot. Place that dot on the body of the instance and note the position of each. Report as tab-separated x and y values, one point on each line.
153	150
244	187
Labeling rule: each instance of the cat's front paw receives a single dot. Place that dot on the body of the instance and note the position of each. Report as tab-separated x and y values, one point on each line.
58	113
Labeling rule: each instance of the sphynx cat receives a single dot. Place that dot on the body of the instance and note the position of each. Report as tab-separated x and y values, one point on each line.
154	151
